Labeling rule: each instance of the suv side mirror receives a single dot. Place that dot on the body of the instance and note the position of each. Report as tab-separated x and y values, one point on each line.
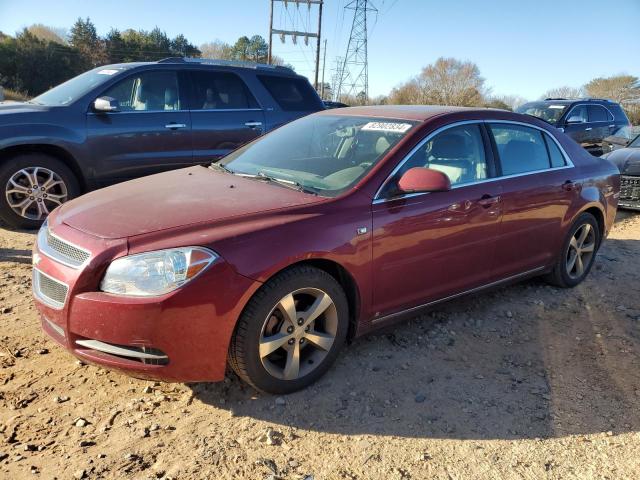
105	104
575	119
420	179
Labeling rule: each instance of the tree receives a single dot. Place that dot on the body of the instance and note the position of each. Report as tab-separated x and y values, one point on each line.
448	81
564	92
258	49
620	88
182	47
84	38
217	49
48	34
241	49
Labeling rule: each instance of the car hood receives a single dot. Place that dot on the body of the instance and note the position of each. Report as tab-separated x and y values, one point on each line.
21	107
174	199
626	159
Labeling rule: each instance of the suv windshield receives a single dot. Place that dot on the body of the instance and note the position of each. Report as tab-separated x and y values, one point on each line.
321	153
69	91
547	111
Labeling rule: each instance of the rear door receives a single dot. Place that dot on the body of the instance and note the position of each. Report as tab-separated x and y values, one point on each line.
150	132
537	182
224	114
599	123
294	97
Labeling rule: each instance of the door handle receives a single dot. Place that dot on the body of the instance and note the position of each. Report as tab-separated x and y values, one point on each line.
487	200
568	185
175	126
588	128
253	124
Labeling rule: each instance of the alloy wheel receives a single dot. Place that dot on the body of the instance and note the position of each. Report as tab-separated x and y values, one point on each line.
298	333
581	250
32	192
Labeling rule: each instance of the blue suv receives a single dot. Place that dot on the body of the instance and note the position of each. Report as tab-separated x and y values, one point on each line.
119	122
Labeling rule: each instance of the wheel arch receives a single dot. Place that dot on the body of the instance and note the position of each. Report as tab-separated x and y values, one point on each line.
599	216
47	149
343	277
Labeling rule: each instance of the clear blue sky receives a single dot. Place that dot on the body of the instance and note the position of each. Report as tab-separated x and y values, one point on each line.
522	47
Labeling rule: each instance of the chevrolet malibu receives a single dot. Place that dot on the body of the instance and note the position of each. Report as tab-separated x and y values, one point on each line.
323	230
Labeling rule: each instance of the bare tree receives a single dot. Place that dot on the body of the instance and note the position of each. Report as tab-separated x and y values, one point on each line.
564	92
621	88
48	34
448	81
217	49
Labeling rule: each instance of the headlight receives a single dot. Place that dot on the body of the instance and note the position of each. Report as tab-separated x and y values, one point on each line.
156	273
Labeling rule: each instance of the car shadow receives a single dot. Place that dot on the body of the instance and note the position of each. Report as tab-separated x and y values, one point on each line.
523	361
15	255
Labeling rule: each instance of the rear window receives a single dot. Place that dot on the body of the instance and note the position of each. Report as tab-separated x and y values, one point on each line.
292	94
597	113
618	113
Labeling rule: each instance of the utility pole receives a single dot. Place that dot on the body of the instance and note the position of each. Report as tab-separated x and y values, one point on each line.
293	33
353	76
324	64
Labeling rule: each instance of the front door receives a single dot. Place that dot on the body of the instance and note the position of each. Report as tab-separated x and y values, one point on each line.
430	246
224	114
150	132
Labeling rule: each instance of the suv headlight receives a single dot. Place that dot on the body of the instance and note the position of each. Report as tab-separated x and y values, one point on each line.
156	273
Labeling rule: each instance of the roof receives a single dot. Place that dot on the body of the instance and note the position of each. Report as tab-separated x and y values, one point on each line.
401	112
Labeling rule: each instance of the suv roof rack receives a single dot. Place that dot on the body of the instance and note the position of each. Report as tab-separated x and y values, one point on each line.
582	99
225	63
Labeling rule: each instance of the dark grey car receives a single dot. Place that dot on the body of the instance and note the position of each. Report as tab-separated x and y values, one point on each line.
118	122
628	162
587	120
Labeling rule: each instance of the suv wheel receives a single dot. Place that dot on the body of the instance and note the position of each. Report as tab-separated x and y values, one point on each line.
291	331
33	185
578	253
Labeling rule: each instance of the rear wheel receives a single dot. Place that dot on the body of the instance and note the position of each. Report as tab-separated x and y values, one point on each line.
578	253
33	185
291	331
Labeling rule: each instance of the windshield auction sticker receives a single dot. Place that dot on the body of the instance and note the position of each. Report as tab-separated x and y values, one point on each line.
386	127
107	71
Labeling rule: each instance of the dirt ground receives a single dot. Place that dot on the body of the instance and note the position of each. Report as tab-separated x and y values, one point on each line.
528	381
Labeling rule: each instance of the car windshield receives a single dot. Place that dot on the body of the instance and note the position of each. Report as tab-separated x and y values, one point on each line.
549	112
69	91
325	154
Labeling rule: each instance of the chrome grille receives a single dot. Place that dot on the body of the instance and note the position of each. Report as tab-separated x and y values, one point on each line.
61	250
49	290
629	191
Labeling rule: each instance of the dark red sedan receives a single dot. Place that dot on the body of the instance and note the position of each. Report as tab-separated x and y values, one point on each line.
327	228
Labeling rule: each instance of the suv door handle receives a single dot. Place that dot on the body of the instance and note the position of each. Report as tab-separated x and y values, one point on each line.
175	126
568	185
253	124
487	200
588	128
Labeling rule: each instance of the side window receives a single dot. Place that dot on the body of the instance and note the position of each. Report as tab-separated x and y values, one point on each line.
220	91
147	91
521	149
557	159
458	152
578	114
292	94
597	113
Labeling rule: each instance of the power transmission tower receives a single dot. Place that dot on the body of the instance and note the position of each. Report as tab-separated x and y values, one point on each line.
294	34
353	75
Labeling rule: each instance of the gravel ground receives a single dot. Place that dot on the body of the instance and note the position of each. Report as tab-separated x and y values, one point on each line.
527	381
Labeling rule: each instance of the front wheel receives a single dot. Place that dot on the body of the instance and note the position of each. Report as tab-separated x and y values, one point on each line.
291	331
33	184
578	253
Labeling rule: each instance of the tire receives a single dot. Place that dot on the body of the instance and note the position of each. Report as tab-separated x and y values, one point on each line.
54	176
265	318
566	272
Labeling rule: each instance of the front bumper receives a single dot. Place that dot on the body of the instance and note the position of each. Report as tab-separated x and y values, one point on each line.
181	337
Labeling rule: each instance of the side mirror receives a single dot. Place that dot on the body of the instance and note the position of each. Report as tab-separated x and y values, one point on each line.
575	119
105	104
419	179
